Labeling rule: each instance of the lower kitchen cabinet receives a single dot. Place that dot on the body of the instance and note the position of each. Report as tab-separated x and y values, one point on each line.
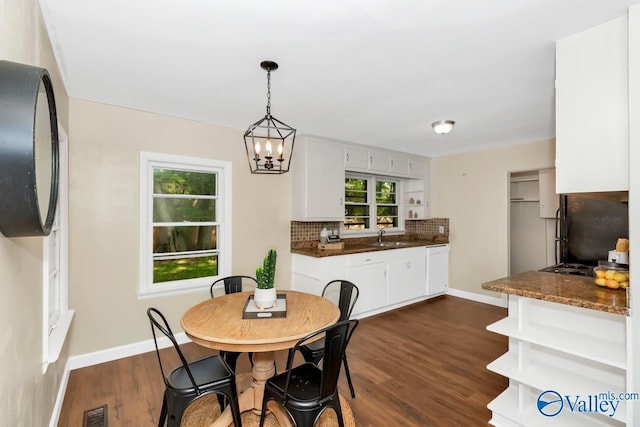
406	275
370	276
387	279
564	364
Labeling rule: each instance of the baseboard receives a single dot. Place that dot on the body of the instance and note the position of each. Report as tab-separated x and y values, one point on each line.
500	302
57	406
114	353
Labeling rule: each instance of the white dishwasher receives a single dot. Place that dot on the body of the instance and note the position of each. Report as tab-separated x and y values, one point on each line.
437	269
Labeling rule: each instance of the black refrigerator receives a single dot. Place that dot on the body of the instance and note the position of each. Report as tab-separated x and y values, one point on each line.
588	227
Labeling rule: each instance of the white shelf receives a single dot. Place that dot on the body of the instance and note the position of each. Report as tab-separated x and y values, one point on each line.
506	414
598	349
550	376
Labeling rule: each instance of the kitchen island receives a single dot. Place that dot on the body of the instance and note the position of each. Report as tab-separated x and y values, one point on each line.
567	351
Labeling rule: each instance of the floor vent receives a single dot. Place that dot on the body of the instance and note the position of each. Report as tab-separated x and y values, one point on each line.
96	417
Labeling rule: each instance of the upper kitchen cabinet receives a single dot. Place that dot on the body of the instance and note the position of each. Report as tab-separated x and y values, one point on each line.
361	158
592	128
398	164
317	180
418	166
356	158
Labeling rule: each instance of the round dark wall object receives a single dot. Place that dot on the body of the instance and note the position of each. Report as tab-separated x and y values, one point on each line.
29	156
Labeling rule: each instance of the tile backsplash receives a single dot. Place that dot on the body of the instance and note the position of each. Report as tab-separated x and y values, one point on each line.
306	231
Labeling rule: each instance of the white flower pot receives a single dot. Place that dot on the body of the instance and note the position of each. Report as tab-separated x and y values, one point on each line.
265	298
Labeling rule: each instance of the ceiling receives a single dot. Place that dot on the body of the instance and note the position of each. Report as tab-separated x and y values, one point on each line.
376	72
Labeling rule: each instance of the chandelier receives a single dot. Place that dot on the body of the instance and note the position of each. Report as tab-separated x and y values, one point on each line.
269	142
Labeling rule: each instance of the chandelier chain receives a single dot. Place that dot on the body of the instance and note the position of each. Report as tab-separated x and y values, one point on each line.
269	93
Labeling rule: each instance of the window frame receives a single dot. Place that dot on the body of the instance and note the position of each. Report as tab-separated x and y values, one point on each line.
223	169
372	179
55	287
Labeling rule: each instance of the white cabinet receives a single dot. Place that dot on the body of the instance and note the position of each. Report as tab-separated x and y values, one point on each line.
576	352
592	128
405	275
369	273
398	164
387	279
362	158
310	274
437	269
418	166
317	181
549	199
356	158
379	161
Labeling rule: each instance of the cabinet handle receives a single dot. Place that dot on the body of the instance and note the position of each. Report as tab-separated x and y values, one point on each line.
391	163
408	265
347	157
340	201
370	159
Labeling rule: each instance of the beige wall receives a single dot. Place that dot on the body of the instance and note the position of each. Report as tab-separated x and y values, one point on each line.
105	145
471	189
26	395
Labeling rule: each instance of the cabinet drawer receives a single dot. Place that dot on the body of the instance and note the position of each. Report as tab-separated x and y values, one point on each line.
366	258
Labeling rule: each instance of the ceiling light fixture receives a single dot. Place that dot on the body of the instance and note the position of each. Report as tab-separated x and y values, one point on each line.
269	138
443	126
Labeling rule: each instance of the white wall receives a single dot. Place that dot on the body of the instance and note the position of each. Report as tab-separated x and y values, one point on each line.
471	189
27	395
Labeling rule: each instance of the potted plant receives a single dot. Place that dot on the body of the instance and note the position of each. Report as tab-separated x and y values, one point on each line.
265	294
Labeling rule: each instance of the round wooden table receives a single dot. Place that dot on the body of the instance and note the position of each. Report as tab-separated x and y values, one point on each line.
217	323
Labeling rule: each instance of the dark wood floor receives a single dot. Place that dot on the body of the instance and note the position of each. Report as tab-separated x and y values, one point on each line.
422	365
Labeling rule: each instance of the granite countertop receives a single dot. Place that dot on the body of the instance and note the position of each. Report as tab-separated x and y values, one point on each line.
579	291
360	245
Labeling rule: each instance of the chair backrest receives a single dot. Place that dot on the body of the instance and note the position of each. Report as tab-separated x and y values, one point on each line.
233	284
344	294
159	322
336	338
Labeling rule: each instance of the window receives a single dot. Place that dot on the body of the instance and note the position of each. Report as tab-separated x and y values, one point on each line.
56	316
371	202
185	223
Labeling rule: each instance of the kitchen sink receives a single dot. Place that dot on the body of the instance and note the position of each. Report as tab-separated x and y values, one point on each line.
389	244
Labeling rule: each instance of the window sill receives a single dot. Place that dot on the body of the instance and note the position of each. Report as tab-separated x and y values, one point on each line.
57	338
177	290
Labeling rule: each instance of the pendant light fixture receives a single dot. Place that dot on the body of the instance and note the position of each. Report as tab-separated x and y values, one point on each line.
269	142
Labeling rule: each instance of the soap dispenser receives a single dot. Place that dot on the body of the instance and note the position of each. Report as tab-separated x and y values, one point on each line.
324	234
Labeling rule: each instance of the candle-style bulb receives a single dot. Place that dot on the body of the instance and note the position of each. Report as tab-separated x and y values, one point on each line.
268	147
256	148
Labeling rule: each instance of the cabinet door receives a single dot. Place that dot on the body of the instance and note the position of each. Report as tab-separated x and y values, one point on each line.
356	158
398	164
317	192
592	129
417	166
549	200
372	281
437	269
406	277
379	161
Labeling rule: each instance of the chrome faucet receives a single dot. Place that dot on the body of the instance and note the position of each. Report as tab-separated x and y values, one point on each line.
380	233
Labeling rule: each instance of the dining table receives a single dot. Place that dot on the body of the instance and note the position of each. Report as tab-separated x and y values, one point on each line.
218	323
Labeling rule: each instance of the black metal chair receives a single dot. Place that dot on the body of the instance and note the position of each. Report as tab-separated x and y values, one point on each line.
344	294
307	390
192	380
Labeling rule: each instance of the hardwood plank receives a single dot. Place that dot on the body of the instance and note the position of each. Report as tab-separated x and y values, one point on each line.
420	365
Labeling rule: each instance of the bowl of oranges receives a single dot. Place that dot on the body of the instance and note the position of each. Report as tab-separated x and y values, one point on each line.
611	275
